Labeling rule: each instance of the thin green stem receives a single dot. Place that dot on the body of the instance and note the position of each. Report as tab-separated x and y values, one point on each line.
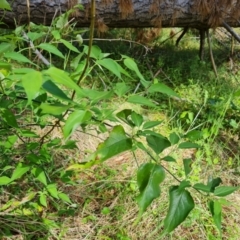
84	70
89	45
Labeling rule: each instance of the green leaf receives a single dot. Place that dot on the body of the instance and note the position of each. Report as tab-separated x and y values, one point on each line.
149	176
4	65
51	48
40	175
181	204
17	57
151	124
137	119
32	83
5	5
78	65
174	138
11	140
141	100
74	120
187	162
215	208
186	145
4	180
102	128
53	109
218	214
52	189
19	171
237	93
158	143
27	133
56	34
7	168
211	208
55	142
81	166
43	200
60	76
9	118
106	210
124	116
121	89
162	88
96	52
62	20
184	184
6	47
213	183
223	191
51	224
64	197
79	39
194	135
22	70
24	200
111	65
116	143
52	88
169	159
70	144
123	71
202	187
130	63
96	96
35	35
141	146
69	46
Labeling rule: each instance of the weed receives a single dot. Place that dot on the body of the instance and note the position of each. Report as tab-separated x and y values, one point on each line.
173	154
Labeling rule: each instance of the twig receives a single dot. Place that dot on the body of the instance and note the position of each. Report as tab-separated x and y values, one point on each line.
150	70
20	137
170	37
104	84
90	134
202	43
50	27
166	76
121	40
40	56
189	129
211	54
28	13
135	158
231	31
57	123
137	87
232	46
181	36
89	45
155	160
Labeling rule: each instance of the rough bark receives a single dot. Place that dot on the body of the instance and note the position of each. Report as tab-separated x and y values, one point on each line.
116	13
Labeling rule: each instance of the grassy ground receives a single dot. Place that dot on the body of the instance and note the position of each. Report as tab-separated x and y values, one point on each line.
109	209
105	195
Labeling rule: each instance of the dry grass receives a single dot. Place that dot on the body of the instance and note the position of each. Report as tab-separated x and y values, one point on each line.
112	186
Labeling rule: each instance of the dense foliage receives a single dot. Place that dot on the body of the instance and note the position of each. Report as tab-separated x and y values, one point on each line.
47	86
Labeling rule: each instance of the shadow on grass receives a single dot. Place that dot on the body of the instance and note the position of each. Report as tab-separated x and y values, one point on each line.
182	63
23	227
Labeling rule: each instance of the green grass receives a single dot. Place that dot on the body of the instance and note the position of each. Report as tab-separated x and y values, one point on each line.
105	195
207	107
109	209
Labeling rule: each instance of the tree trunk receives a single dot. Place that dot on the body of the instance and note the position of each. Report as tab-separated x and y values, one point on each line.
125	13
